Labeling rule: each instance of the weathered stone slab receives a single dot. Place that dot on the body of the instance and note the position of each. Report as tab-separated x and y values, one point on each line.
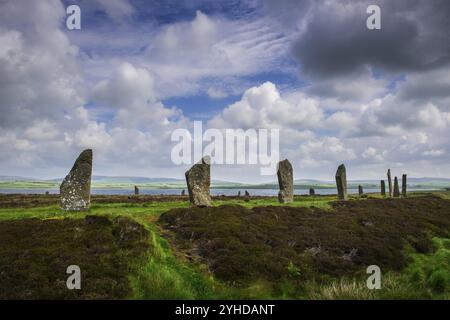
341	182
247	194
404	182
183	192
198	180
136	190
383	188
389	182
396	188
285	182
360	190
75	190
312	192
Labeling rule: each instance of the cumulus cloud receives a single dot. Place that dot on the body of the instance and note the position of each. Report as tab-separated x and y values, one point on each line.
373	154
324	151
263	107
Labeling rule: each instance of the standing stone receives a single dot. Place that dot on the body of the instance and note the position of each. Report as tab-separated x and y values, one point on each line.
247	194
285	182
136	190
389	182
383	188
341	182
360	190
198	179
47	193
183	192
396	188
239	193
404	185
312	192
75	190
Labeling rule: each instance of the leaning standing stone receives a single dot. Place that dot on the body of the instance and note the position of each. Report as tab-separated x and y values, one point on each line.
389	182
341	182
285	181
136	190
404	185
396	188
247	194
360	190
75	190
312	192
198	183
383	188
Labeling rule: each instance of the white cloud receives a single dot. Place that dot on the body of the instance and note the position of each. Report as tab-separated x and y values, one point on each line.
41	130
341	120
372	154
116	9
434	153
324	151
263	107
127	86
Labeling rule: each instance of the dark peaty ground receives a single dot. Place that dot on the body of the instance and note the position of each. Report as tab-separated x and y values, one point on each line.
240	244
34	256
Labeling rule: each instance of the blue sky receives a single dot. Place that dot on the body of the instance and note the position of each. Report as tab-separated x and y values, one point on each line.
138	70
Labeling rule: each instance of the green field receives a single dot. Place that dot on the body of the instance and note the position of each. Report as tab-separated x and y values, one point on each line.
164	272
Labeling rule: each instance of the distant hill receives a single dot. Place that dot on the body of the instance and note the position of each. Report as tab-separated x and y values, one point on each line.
108	182
127	180
15	178
160	183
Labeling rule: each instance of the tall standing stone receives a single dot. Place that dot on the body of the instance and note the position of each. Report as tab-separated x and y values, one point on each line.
285	182
404	185
183	192
389	182
247	194
360	190
383	188
136	190
396	188
341	182
198	180
312	192
75	190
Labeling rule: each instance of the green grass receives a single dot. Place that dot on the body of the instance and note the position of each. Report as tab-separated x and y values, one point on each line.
165	274
27	184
